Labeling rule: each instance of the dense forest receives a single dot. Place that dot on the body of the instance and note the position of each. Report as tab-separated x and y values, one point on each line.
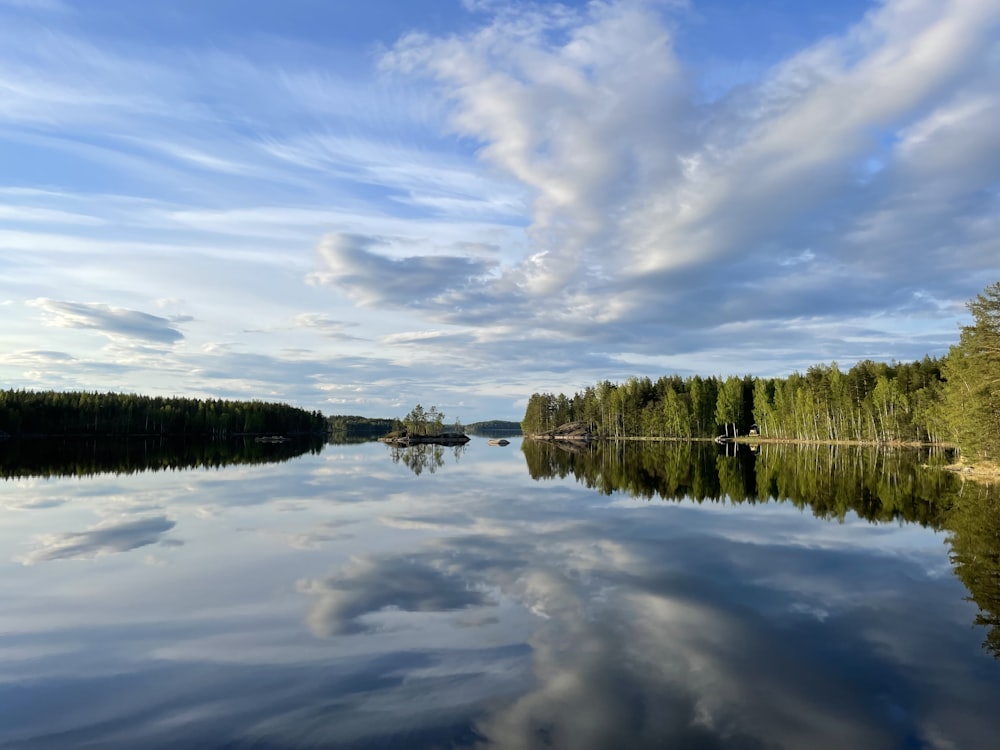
355	426
972	372
872	401
85	414
955	399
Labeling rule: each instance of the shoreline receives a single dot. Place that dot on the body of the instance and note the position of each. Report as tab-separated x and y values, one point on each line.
743	439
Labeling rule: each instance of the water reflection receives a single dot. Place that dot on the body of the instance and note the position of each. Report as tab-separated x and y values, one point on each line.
82	457
335	601
830	480
108	537
425	456
974	541
371	585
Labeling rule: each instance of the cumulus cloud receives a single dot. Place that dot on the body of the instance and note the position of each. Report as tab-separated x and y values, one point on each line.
106	538
369	585
549	186
112	321
852	177
586	110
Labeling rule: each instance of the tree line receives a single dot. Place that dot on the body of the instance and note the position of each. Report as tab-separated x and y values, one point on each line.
356	426
872	402
90	414
494	426
951	399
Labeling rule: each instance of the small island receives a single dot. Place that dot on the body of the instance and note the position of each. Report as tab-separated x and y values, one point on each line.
425	426
444	438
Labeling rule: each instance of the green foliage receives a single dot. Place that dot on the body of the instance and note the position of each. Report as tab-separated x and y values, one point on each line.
972	371
957	399
422	421
355	426
830	481
974	537
494	428
424	456
75	413
729	404
872	402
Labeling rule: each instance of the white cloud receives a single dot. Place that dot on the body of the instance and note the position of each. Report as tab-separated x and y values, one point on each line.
111	321
27	215
585	123
544	187
106	538
651	209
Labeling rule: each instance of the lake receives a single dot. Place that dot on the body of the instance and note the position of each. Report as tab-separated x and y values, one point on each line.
622	596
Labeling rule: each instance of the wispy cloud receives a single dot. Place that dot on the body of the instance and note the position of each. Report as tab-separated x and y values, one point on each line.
376	279
326	326
545	185
111	321
47	6
28	215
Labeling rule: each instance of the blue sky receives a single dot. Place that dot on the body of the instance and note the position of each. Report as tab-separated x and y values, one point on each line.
356	207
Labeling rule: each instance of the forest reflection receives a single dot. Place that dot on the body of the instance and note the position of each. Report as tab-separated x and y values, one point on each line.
829	480
876	484
82	457
425	456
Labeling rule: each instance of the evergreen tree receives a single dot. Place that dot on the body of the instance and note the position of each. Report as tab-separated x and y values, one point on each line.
972	373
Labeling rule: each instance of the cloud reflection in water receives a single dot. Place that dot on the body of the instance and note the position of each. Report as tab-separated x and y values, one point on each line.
497	613
106	538
370	585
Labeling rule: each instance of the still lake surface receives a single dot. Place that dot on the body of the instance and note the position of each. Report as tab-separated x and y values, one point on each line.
628	596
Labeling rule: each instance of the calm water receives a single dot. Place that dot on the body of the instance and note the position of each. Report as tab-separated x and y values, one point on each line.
495	597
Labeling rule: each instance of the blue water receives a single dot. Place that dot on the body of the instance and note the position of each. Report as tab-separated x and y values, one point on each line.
342	600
